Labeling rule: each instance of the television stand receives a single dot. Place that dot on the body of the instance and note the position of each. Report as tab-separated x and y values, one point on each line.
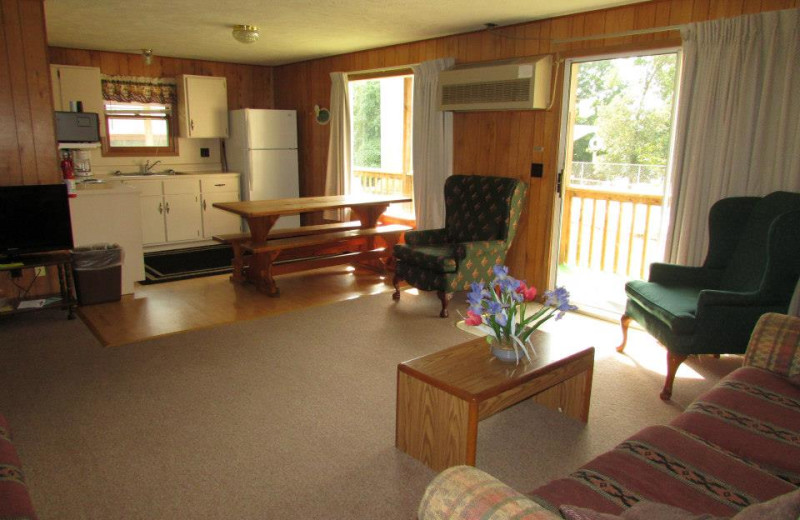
64	299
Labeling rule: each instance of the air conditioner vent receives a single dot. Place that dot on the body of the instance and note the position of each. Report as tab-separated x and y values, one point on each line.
509	90
497	86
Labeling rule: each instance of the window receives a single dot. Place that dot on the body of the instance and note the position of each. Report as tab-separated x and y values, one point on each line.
139	129
380	119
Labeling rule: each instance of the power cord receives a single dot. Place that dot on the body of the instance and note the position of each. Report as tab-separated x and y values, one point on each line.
22	292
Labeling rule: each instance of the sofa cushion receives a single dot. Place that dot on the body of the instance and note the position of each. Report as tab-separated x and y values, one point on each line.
644	510
752	414
775	345
664	464
437	258
675	306
782	507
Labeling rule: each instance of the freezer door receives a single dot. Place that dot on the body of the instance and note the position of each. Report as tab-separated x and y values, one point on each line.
273	174
271	129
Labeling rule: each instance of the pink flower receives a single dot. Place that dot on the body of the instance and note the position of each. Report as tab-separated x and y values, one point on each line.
473	319
528	293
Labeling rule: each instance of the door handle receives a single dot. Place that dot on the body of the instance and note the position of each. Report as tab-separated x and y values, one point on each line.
160	207
191	124
219	185
167	207
559	181
204	205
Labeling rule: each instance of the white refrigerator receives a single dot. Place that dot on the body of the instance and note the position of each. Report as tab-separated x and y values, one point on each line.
262	146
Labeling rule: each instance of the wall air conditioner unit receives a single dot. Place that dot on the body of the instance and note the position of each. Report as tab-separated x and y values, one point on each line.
519	85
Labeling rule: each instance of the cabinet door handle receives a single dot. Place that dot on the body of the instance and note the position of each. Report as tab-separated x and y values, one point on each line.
167	207
191	124
204	205
219	185
160	207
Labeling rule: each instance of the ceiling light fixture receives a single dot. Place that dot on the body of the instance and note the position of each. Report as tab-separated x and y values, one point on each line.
245	33
147	56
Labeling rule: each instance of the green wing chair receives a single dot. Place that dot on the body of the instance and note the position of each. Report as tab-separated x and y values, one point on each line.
481	217
751	268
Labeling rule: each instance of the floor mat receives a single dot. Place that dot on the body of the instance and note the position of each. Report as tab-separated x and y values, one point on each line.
180	264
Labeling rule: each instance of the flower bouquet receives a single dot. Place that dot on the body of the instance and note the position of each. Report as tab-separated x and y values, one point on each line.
501	309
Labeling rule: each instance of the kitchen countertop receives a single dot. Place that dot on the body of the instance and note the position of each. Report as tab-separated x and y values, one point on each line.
111	177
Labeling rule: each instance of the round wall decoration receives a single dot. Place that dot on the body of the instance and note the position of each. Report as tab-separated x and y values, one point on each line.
322	115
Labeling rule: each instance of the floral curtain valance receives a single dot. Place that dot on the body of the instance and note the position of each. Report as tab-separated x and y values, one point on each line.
130	89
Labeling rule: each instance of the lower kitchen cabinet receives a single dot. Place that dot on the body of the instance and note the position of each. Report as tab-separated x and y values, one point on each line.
215	221
170	210
180	209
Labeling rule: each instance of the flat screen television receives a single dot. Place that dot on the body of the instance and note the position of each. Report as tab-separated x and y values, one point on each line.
34	219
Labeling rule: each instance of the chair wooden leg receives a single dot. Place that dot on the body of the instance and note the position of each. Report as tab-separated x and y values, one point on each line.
673	362
445	298
396	282
624	321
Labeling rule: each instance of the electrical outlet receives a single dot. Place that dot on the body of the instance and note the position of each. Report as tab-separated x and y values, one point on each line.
40	270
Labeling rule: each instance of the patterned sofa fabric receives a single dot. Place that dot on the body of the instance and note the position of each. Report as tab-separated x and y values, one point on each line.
15	502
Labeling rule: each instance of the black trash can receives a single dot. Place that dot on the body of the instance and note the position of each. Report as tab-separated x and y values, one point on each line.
98	273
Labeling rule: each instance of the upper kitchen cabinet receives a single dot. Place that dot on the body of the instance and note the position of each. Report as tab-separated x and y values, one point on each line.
202	106
72	83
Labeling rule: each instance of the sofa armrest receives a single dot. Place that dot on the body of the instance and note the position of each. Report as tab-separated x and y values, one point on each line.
466	493
15	501
775	345
682	275
426	237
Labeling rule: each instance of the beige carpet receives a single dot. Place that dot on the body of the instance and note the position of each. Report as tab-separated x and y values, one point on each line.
289	416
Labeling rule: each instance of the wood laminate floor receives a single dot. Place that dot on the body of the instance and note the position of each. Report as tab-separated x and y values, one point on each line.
167	308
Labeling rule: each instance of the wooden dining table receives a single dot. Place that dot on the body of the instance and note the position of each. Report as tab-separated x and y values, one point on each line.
262	215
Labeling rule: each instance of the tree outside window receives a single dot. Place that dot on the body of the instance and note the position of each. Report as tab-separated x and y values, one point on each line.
380	122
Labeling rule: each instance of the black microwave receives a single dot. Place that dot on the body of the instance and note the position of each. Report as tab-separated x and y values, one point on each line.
77	127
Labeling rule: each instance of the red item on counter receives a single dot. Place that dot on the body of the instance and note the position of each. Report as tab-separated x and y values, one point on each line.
68	171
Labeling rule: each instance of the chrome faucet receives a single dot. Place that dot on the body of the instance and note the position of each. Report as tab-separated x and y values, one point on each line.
147	166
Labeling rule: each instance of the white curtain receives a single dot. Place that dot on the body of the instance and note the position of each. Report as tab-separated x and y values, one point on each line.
738	129
432	144
337	178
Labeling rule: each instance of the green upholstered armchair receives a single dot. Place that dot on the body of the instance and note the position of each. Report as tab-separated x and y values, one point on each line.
481	217
752	268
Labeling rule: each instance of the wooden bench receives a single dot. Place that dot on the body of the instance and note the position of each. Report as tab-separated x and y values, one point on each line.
314	246
242	261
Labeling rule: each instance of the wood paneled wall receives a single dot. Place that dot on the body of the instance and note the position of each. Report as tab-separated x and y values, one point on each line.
249	86
27	133
501	143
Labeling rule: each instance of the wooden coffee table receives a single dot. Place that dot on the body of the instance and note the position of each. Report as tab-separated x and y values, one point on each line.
442	396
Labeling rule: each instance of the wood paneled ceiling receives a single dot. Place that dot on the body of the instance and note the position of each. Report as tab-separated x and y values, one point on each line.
291	30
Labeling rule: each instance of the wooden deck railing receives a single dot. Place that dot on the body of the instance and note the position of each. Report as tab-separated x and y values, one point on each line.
377	182
611	231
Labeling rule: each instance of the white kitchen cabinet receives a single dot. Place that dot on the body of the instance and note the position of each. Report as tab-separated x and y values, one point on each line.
202	106
170	210
219	189
154	231
73	83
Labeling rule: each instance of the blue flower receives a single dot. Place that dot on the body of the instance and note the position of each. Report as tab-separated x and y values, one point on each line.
495	308
501	318
477	294
559	298
500	271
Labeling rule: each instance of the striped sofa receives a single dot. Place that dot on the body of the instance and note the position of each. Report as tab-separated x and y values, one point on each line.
15	503
734	453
